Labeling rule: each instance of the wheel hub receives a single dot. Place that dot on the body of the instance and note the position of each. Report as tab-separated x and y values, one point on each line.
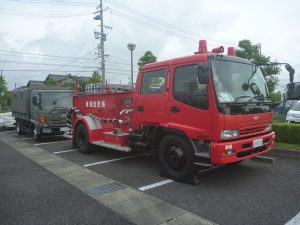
175	158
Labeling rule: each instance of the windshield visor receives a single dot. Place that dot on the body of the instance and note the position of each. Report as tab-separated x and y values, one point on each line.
237	82
54	100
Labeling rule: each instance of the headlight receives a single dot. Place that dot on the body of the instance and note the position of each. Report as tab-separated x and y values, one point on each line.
269	127
232	133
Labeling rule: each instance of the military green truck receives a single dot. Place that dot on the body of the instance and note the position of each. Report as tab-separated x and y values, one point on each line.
41	110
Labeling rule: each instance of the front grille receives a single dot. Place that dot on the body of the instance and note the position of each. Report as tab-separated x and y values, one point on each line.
245	131
252	151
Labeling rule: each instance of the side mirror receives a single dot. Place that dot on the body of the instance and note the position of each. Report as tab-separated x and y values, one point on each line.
293	91
202	73
255	89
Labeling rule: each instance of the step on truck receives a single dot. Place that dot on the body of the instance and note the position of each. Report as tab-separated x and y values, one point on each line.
41	110
204	109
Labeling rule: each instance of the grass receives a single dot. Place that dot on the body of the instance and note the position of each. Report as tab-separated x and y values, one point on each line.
287	145
279	118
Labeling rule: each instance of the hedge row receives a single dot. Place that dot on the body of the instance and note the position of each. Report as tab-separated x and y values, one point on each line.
287	132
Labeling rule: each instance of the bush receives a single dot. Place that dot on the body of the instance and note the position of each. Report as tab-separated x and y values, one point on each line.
287	132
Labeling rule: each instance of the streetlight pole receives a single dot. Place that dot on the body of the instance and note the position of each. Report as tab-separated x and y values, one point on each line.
131	47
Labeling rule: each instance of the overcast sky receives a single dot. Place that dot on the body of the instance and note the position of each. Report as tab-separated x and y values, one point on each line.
33	38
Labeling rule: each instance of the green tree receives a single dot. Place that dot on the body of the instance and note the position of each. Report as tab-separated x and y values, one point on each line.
82	83
275	96
148	57
51	82
250	51
5	94
96	78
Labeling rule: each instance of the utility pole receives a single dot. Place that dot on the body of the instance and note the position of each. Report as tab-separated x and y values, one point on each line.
102	39
102	36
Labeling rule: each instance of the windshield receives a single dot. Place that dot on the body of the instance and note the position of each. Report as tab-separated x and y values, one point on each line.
296	107
237	82
56	100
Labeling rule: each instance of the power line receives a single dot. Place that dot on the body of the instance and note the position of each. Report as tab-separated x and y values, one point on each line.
43	55
65	3
44	64
36	70
38	15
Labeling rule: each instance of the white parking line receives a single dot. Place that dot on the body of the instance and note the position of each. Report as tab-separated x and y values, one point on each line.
295	220
112	160
26	138
53	142
150	186
14	134
59	152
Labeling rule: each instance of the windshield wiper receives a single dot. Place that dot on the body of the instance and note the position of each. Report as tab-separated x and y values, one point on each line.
258	97
249	100
240	97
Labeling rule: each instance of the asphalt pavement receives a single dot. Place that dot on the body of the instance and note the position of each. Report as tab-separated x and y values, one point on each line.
249	193
31	195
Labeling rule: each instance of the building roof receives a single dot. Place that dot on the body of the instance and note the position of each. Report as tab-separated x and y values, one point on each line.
59	77
35	83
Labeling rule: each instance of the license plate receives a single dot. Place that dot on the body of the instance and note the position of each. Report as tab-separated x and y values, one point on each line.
64	129
257	143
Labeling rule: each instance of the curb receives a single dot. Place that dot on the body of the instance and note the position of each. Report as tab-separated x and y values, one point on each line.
288	153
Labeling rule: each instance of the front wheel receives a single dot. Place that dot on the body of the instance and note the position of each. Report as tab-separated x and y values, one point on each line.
176	158
82	140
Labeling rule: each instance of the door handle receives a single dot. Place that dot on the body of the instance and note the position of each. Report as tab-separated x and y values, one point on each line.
175	109
140	108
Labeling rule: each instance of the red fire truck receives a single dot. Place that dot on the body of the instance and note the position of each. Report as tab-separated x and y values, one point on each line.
204	109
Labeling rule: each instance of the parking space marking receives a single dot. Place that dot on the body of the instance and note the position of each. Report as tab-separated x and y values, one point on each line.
113	160
59	152
150	186
53	142
14	134
26	138
295	220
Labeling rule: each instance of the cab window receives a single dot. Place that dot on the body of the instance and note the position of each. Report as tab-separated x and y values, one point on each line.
186	88
153	82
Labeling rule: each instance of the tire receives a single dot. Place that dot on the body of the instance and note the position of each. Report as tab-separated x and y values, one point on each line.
19	128
176	158
82	139
36	135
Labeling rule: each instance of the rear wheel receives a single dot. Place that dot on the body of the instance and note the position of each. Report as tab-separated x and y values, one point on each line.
82	140
176	158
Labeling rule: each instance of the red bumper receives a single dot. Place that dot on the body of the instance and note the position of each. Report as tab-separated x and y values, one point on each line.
242	149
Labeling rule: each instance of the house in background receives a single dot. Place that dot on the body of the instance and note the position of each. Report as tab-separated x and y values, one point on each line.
69	80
